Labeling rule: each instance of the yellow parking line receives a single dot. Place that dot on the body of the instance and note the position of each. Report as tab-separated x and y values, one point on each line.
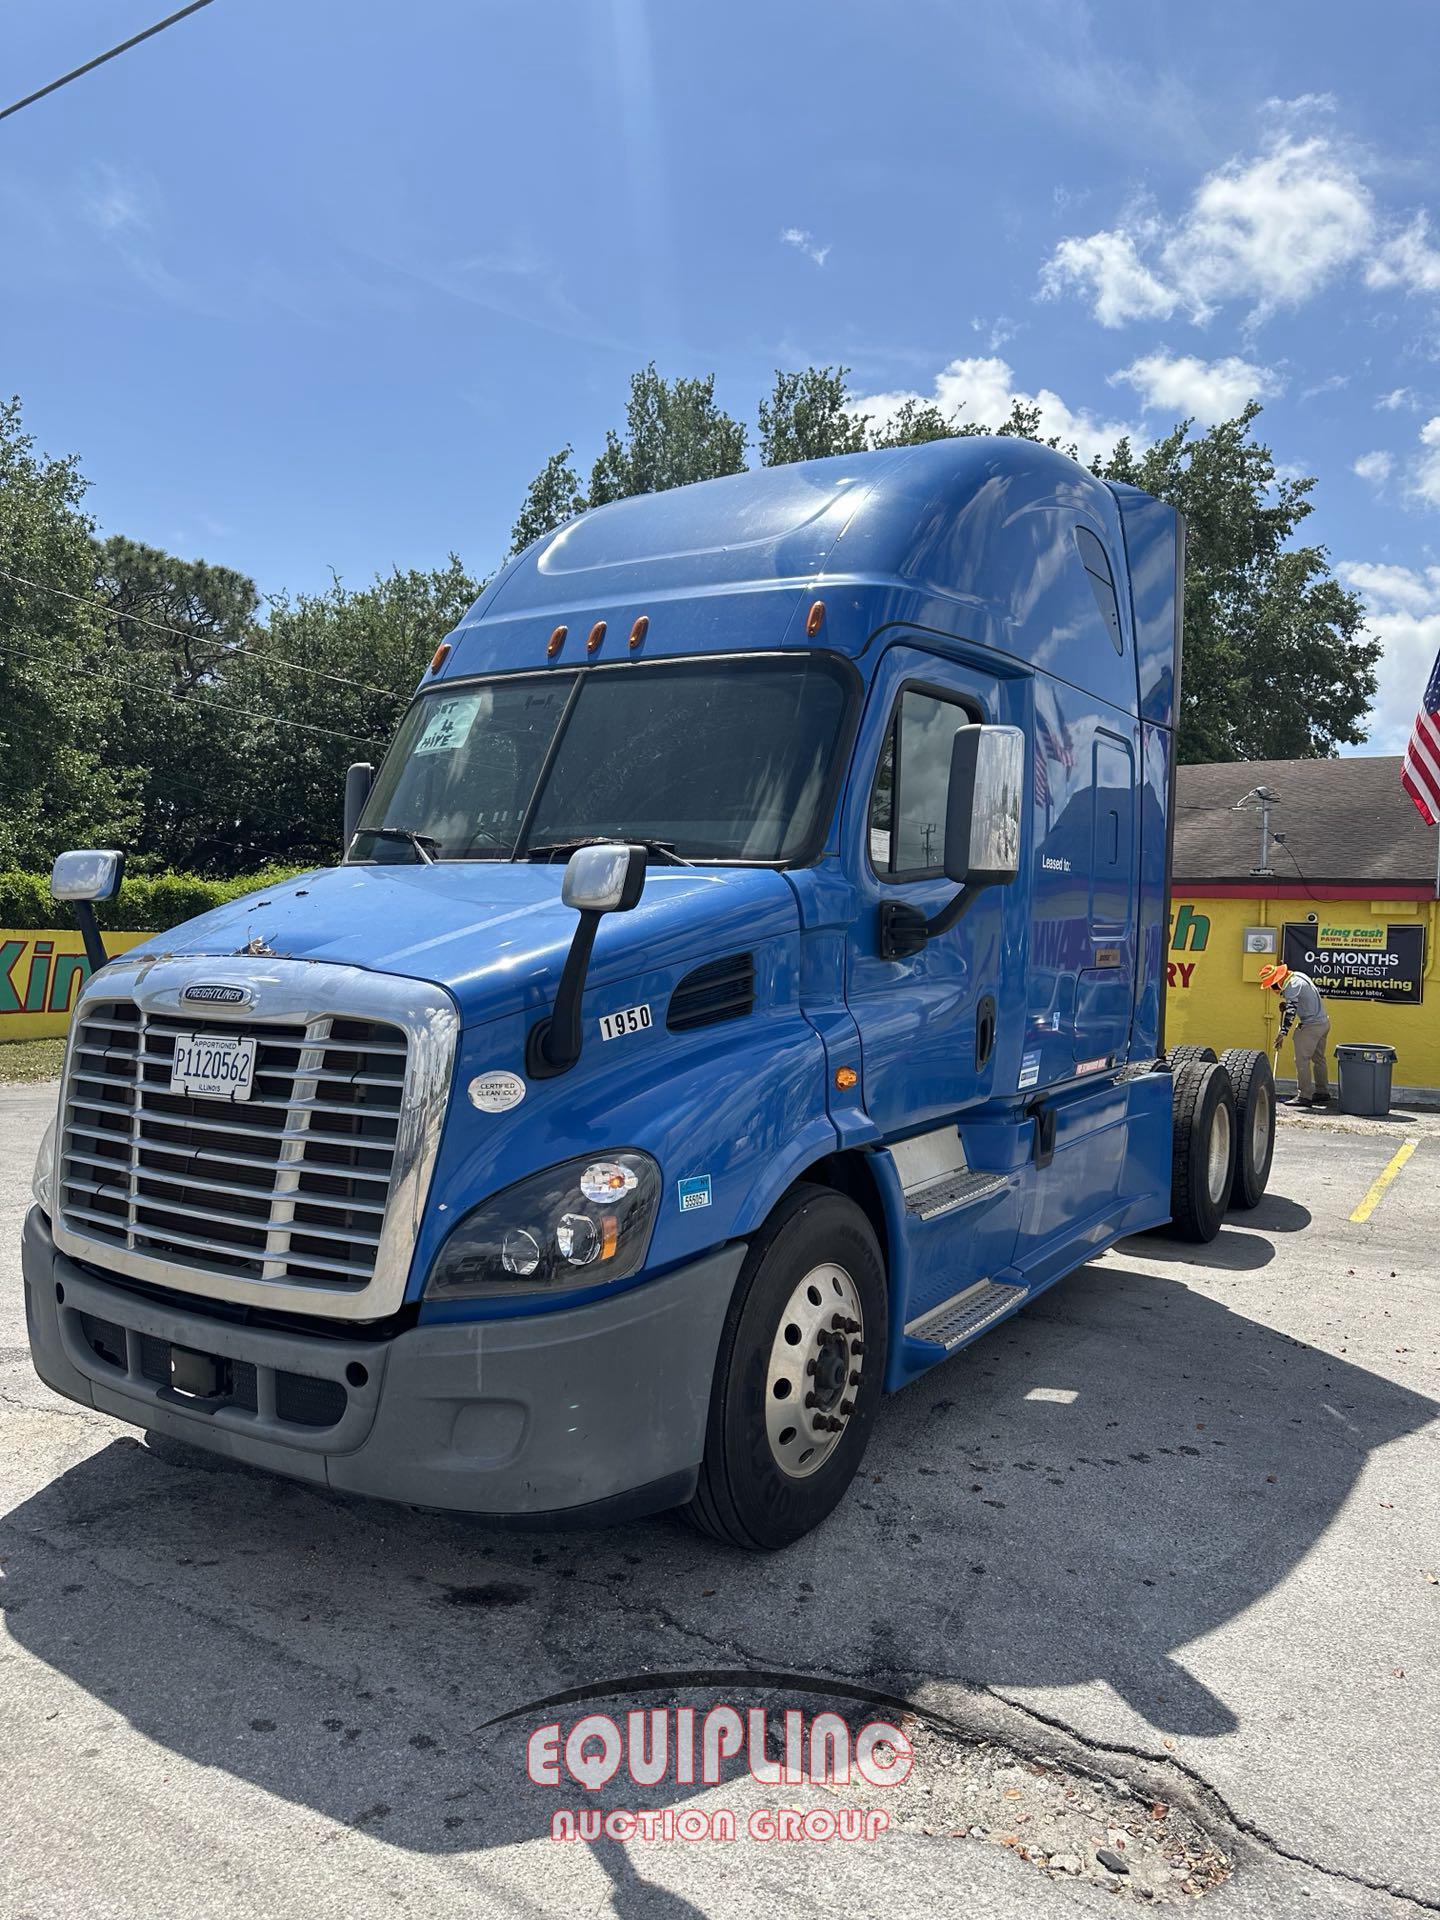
1377	1192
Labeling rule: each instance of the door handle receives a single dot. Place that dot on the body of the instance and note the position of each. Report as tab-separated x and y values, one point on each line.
984	1031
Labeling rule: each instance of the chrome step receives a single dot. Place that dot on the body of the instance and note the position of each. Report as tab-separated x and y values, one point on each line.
953	1190
965	1313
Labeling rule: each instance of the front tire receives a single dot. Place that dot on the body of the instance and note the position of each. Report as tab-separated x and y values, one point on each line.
798	1375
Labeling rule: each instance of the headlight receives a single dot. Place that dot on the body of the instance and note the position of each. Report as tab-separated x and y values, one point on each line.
577	1224
43	1184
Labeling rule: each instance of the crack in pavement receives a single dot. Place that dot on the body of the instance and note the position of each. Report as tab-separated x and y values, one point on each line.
897	1683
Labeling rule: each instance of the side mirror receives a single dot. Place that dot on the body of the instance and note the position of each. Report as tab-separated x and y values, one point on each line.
358	779
87	874
82	877
598	880
983	807
604	879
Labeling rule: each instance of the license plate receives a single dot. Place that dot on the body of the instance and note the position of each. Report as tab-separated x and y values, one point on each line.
214	1066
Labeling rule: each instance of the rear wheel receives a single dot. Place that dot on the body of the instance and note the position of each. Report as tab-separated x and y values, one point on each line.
1178	1056
798	1375
1254	1086
1203	1151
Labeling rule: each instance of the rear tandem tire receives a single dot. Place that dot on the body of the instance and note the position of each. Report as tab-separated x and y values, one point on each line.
1254	1086
1177	1056
1202	1163
775	1467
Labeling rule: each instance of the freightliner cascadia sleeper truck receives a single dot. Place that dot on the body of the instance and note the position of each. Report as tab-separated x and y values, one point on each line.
743	987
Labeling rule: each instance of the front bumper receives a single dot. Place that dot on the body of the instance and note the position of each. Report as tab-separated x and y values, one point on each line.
585	1413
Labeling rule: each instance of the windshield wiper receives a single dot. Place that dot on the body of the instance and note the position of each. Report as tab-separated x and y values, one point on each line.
421	842
662	849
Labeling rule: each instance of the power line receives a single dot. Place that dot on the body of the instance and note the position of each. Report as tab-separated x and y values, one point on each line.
220	706
101	58
179	633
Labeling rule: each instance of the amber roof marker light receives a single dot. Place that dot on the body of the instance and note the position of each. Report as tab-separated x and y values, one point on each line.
555	642
440	656
639	631
815	619
597	634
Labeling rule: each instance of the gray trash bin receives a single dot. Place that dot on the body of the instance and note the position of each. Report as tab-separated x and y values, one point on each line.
1365	1078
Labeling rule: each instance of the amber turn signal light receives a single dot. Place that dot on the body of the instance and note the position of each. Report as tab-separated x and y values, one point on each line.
845	1078
815	619
639	630
440	656
555	642
597	634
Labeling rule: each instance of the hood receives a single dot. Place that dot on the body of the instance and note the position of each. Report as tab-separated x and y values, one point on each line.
494	934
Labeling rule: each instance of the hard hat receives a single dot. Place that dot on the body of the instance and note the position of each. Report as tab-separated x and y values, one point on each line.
1274	975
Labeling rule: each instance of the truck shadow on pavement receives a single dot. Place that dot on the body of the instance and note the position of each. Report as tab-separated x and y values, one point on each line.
1121	1469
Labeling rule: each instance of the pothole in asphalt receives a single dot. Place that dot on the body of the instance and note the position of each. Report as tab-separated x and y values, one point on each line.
1067	1824
1065	1821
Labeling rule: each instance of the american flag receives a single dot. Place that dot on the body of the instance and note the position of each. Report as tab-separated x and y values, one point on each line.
1420	775
1050	745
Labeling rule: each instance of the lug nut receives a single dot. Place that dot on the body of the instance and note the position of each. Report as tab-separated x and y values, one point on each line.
839	1323
857	1347
847	1406
855	1378
812	1399
810	1367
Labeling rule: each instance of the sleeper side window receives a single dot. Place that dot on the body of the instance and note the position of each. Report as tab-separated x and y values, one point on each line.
912	784
1102	584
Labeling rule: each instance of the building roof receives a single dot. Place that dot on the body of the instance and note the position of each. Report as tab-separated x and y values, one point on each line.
1346	821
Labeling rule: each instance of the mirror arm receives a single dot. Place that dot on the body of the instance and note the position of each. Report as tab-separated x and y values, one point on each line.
953	911
554	1044
90	933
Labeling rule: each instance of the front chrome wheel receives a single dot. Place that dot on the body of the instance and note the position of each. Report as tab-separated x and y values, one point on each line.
815	1366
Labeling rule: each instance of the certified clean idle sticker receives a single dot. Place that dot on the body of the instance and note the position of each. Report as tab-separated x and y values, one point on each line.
613	1026
1029	1069
694	1192
496	1092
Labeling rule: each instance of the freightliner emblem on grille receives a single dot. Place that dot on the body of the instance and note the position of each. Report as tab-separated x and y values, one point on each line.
220	996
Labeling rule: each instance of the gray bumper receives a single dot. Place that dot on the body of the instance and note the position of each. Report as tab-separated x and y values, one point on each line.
589	1412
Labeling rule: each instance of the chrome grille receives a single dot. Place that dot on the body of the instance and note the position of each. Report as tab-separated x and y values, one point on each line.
289	1186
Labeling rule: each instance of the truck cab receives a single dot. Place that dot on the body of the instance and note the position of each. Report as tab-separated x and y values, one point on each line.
742	987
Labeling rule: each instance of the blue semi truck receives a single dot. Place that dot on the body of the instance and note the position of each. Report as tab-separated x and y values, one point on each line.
743	986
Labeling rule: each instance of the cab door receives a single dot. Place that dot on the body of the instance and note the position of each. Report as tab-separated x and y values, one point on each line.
928	1020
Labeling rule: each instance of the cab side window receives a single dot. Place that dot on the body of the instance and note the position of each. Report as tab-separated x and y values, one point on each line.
912	782
1102	584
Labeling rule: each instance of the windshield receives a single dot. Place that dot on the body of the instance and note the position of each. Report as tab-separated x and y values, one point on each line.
725	759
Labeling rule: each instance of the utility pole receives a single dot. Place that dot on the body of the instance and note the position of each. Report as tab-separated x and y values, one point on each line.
1264	799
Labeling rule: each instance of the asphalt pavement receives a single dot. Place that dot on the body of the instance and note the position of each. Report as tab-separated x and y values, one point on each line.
1153	1571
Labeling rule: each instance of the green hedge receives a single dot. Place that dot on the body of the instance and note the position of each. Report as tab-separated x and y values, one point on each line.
148	903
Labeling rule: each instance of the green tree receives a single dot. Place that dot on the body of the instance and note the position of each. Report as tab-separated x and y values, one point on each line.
553	497
1277	661
324	683
807	416
60	784
169	633
674	433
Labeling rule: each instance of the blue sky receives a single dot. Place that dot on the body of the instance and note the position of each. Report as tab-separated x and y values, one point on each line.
316	284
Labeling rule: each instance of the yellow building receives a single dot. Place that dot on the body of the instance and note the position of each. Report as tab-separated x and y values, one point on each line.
1349	898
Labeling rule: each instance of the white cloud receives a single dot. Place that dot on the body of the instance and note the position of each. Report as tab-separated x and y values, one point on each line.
1271	230
1403	612
1209	390
1396	398
1408	260
1374	467
984	390
1110	266
118	205
804	242
1425	473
